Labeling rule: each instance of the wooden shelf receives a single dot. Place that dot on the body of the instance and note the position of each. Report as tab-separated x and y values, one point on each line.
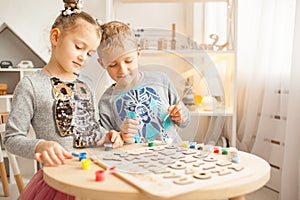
187	52
217	112
7	96
19	69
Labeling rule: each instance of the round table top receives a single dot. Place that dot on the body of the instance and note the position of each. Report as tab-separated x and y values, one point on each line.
72	179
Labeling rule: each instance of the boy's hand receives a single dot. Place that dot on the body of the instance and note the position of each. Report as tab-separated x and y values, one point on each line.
129	128
177	114
51	153
115	138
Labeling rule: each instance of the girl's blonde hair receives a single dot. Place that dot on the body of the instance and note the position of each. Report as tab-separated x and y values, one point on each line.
68	19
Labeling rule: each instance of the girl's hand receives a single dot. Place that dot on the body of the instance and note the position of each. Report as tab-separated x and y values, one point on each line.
129	128
51	153
177	113
115	138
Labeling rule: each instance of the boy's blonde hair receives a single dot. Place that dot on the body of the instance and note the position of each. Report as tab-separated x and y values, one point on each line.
116	34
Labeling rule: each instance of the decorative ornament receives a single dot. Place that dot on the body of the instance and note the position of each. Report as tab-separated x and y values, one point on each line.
73	10
67	12
79	4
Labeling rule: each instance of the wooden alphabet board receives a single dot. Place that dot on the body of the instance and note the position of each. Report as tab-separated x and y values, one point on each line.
168	171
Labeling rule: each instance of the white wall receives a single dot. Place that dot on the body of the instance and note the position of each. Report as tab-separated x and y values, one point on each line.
143	15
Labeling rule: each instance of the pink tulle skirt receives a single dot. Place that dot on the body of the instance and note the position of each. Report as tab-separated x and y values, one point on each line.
38	189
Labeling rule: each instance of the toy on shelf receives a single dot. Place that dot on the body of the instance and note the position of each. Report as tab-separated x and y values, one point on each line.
173	40
24	64
209	103
144	43
3	88
6	64
162	44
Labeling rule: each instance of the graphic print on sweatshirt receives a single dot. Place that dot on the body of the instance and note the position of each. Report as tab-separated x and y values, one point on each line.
143	103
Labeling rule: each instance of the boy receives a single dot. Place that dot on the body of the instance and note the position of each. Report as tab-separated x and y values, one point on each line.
139	102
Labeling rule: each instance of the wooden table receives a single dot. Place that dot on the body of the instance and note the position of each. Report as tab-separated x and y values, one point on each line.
71	179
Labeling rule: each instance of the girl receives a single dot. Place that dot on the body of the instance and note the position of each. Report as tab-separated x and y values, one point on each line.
58	102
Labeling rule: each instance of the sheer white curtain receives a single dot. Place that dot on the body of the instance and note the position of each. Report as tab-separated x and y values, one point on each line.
290	183
265	41
265	34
